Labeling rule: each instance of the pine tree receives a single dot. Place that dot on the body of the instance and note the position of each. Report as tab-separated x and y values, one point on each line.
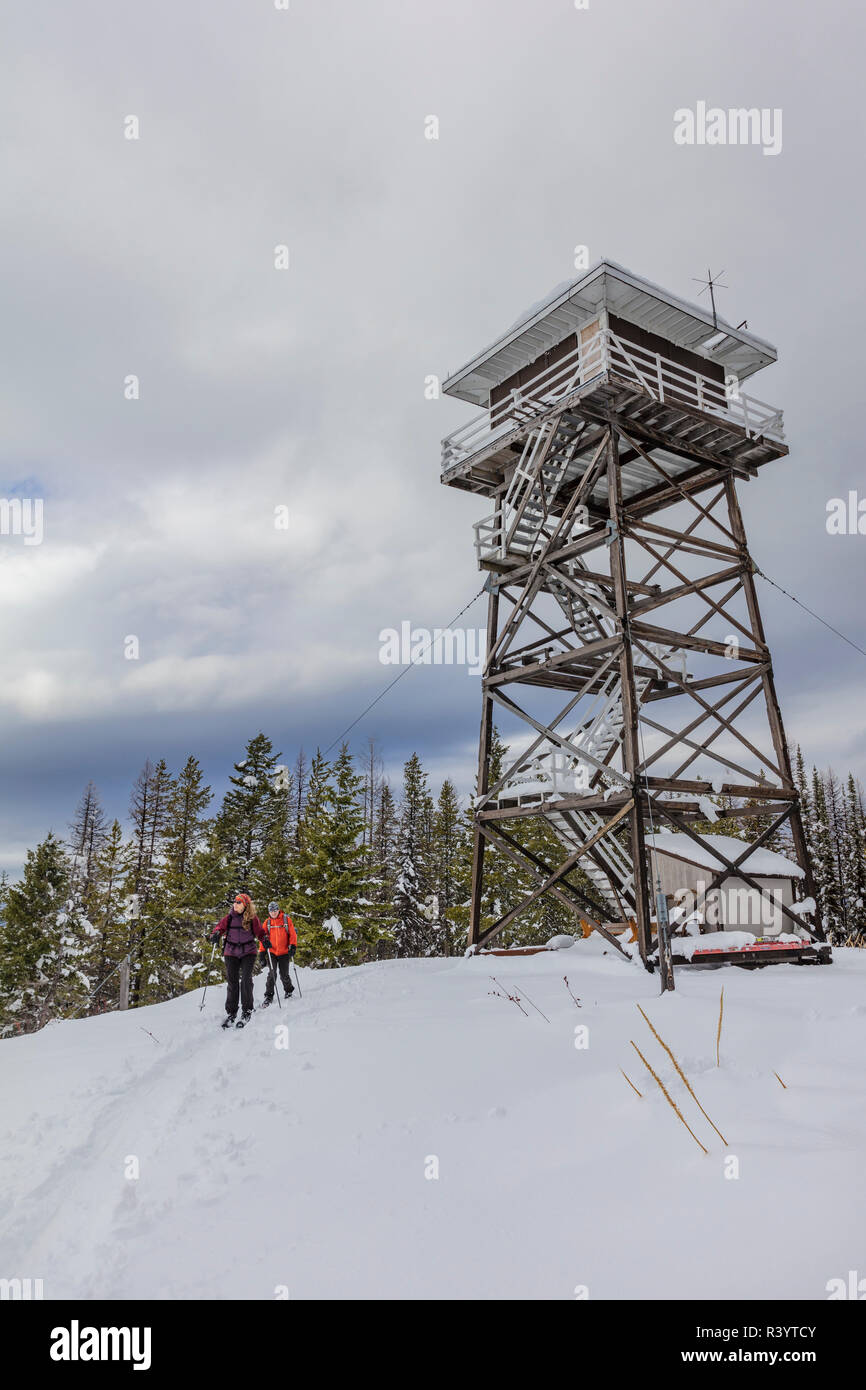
448	853
725	823
383	867
250	809
824	862
147	810
43	971
504	882
87	833
334	878
854	863
835	803
184	825
274	873
413	935
752	827
109	910
309	910
172	922
300	778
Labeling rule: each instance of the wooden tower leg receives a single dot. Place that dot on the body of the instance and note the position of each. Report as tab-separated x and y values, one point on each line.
774	712
483	781
631	734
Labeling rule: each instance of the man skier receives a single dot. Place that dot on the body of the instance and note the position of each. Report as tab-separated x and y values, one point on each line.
241	927
282	937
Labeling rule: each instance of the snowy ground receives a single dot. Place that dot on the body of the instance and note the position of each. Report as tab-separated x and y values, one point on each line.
306	1168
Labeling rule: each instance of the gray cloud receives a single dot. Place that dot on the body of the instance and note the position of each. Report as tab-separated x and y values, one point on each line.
305	388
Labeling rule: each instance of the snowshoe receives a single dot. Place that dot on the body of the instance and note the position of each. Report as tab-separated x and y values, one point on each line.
228	1021
265	1002
243	1020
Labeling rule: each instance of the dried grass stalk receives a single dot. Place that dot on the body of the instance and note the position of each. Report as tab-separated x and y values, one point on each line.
670	1102
633	1086
683	1077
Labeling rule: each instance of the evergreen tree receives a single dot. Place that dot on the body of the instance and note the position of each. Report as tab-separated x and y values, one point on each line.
413	935
274	873
824	862
854	863
47	943
172	920
725	823
109	910
250	809
184	826
752	827
147	812
148	809
300	780
87	833
448	854
835	805
334	878
383	866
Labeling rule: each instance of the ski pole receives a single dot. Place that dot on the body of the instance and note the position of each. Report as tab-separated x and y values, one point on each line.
274	973
297	981
207	981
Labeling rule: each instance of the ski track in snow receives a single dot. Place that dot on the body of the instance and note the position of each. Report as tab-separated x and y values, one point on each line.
305	1168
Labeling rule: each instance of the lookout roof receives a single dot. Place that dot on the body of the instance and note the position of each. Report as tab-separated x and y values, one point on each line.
574	303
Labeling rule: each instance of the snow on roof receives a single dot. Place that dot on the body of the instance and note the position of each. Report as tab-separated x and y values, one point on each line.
573	303
765	862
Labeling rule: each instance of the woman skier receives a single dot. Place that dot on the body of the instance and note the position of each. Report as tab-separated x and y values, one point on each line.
241	927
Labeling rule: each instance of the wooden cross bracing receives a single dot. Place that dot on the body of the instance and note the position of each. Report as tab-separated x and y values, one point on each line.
653	613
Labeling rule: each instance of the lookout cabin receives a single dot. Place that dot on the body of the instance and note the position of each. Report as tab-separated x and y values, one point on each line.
611	345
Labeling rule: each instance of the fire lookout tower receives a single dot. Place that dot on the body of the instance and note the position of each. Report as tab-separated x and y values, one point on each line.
624	637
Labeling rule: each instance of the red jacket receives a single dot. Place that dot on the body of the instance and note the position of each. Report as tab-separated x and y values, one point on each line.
282	933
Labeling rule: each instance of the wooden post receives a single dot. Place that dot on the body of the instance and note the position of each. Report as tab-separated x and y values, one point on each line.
774	712
483	780
631	733
123	1002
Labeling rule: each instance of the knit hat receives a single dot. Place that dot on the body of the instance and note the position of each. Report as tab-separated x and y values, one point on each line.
273	909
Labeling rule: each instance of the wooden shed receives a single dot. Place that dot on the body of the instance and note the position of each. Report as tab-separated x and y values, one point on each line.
687	870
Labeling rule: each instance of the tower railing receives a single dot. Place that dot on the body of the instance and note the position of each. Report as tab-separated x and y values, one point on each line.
606	352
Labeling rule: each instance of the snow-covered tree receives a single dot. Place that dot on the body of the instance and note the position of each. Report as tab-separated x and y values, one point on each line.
412	907
335	922
48	943
87	832
250	808
449	852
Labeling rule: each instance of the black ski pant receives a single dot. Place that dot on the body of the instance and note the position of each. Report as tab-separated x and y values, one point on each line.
282	964
239	970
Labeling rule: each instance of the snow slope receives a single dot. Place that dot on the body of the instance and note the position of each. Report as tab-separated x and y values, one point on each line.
305	1167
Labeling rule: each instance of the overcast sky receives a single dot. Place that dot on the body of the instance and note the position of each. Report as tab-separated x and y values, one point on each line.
305	387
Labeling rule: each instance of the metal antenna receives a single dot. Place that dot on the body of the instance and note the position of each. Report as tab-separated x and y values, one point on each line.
710	284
